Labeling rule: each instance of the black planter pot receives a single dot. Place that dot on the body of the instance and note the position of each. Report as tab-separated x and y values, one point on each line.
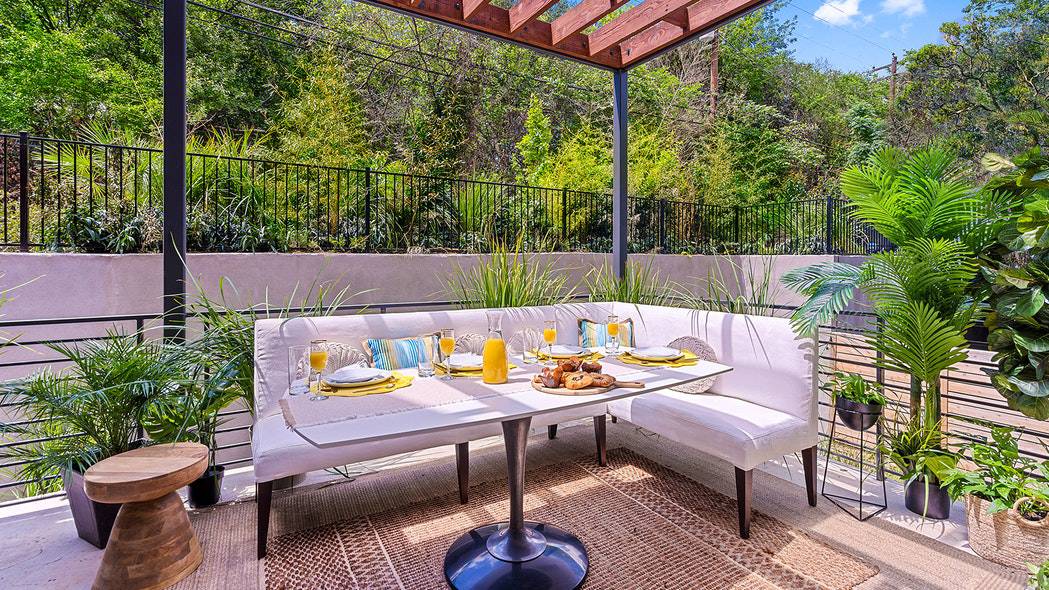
93	520
855	415
207	489
939	503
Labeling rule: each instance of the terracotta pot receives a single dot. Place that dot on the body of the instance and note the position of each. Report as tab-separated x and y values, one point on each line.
93	520
1005	537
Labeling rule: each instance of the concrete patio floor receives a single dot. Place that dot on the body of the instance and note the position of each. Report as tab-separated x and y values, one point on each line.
40	548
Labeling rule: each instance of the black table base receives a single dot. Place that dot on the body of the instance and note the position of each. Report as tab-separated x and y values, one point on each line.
517	554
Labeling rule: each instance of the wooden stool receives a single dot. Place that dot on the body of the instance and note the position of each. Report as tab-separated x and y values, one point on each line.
152	544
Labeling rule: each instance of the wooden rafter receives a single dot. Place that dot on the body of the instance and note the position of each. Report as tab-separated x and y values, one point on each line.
525	11
640	32
696	19
581	16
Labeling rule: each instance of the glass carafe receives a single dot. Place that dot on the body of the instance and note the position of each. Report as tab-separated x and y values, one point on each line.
495	365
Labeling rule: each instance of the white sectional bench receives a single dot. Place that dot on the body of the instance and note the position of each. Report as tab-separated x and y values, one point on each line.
765	408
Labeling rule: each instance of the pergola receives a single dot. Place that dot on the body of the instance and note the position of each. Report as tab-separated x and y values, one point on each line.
634	36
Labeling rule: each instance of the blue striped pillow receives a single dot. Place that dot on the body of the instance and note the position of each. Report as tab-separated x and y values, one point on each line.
596	334
395	353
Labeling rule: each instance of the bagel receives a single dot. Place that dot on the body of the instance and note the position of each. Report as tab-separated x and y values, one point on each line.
578	380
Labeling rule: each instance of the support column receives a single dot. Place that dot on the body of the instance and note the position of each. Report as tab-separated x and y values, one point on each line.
619	172
174	244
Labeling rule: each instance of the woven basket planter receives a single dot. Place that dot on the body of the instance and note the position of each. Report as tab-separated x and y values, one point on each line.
1005	537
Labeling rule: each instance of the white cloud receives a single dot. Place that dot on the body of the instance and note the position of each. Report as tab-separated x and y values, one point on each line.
907	7
840	12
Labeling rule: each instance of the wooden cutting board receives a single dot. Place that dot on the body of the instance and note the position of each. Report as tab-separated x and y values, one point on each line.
585	390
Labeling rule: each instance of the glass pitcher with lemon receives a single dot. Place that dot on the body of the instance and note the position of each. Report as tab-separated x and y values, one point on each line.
494	364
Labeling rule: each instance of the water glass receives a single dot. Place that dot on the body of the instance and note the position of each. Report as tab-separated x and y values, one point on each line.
298	369
526	345
429	354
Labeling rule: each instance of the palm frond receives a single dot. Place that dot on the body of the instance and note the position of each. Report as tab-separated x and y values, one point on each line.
916	340
829	286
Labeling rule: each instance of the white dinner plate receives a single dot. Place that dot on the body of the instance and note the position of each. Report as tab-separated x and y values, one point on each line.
348	376
465	360
565	350
656	353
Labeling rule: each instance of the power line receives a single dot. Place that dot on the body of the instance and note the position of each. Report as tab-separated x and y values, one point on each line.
854	34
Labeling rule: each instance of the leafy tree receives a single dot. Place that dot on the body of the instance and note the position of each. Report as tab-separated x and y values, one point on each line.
534	147
868	131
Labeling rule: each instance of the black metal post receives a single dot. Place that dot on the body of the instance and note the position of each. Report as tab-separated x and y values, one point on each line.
830	225
661	221
564	218
23	191
174	169
736	227
619	172
367	209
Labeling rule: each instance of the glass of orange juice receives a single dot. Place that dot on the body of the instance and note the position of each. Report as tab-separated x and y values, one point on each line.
318	361
612	341
447	346
549	337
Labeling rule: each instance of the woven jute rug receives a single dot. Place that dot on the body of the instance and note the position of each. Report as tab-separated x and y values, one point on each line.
644	526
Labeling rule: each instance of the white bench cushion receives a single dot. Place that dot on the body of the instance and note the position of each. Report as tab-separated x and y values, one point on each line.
278	451
740	432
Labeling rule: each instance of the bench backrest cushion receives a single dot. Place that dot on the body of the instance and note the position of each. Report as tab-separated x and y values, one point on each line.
273	337
772	366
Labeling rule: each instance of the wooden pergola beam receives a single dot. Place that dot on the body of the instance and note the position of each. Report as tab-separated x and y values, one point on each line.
633	22
469	6
581	16
494	21
525	11
682	24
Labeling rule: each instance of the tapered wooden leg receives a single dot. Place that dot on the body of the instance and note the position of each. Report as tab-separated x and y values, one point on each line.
744	485
462	468
551	431
599	434
808	459
263	496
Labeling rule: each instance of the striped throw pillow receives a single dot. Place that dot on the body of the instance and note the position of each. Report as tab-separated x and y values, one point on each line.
593	333
395	353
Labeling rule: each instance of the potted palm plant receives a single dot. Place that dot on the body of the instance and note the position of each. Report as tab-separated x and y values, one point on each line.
86	413
857	401
916	450
918	292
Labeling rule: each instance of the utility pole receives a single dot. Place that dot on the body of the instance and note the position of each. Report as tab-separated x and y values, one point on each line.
892	81
715	47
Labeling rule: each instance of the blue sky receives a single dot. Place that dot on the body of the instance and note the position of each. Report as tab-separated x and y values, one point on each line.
857	35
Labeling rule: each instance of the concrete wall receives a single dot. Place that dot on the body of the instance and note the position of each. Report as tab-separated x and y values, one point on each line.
66	285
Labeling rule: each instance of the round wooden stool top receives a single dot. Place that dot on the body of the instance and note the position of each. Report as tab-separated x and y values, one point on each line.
145	474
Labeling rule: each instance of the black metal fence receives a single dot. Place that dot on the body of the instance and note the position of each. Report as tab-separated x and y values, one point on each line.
79	195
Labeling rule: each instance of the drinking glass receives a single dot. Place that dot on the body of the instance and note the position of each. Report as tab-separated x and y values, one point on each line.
526	345
550	337
430	352
298	369
318	361
612	341
447	346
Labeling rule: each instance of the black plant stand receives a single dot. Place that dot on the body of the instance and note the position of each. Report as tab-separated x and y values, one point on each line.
839	500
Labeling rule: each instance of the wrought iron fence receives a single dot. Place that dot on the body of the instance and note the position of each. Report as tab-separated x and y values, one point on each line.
79	195
970	404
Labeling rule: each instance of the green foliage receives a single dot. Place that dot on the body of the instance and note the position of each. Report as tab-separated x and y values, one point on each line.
1039	579
91	410
1001	476
534	146
868	132
735	287
507	278
915	449
642	284
855	388
1015	278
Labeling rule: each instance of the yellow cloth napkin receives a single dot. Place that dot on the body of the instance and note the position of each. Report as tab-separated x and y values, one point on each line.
398	381
687	360
464	372
592	356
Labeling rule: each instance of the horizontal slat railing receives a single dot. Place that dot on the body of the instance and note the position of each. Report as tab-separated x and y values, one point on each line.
838	350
